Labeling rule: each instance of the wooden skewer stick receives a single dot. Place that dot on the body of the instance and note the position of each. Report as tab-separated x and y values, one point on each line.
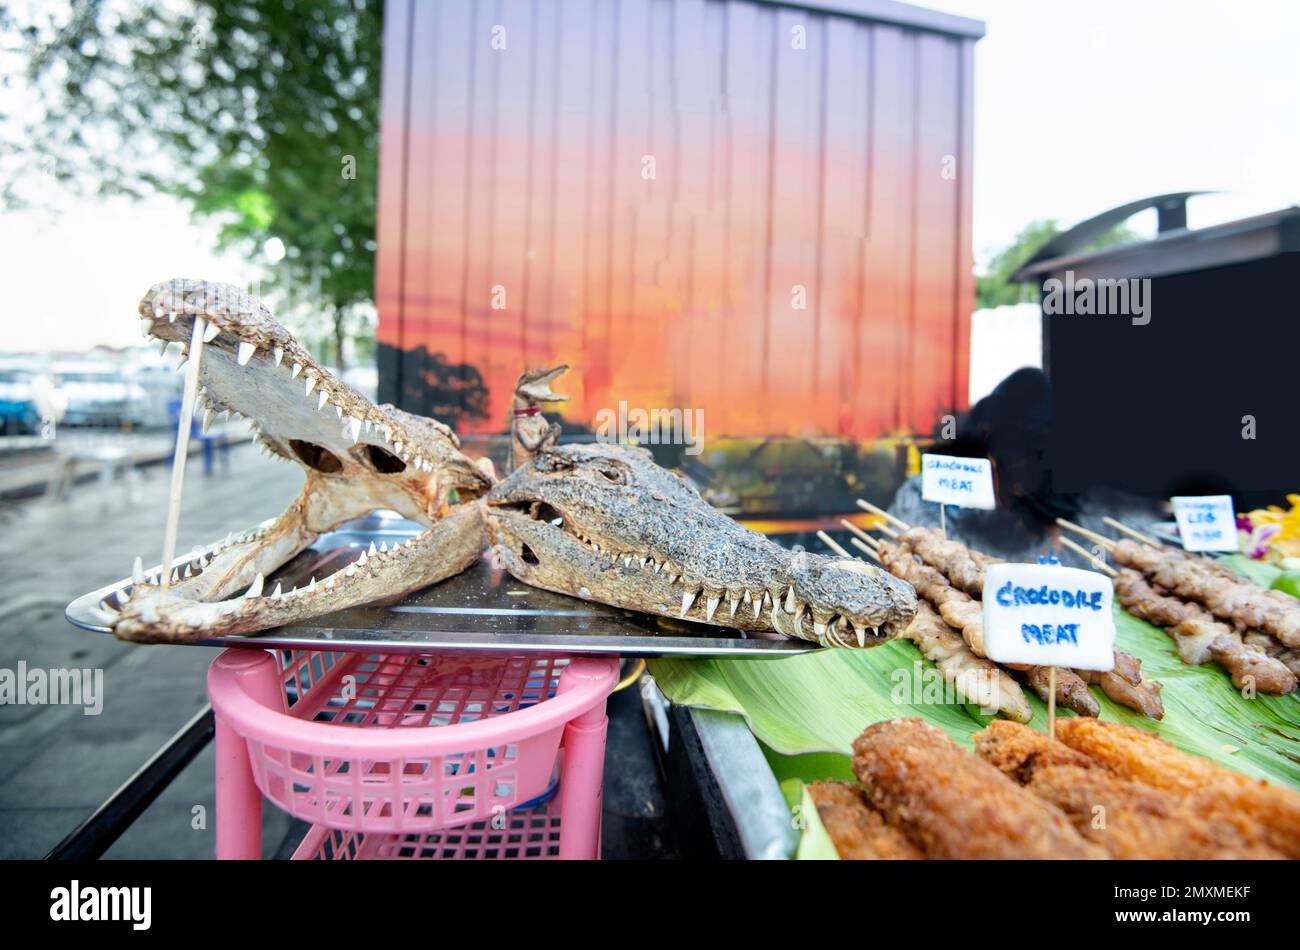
1101	539
1051	702
855	530
184	424
1083	552
1137	535
887	530
833	544
862	547
875	510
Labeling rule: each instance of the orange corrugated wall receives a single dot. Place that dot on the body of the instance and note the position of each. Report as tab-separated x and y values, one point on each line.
775	168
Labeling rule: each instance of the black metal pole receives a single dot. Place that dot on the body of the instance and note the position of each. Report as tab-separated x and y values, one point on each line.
97	833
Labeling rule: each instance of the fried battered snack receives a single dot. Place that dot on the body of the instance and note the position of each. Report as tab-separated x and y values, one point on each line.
857	830
953	804
1128	818
1017	750
1258	810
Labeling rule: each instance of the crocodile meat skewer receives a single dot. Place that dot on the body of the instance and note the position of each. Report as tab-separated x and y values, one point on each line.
1242	604
1200	638
964	567
976	679
963	612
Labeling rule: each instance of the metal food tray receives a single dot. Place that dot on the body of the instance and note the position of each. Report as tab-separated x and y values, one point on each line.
483	609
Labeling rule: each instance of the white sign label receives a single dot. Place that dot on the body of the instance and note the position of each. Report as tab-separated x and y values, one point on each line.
1049	615
1206	522
950	480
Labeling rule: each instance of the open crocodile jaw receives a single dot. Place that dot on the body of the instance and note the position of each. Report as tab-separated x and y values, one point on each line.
358	458
605	523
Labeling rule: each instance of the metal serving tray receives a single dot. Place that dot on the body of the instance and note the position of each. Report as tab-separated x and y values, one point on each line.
483	609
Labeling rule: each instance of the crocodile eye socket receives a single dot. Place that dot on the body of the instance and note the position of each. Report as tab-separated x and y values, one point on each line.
547	462
315	456
384	462
613	474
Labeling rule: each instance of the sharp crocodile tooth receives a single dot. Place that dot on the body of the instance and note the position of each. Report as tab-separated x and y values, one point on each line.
188	573
162	347
137	571
321	400
627	560
819	629
145	326
354	428
361	561
277	351
767	600
311	384
278	592
397	447
688	598
672	579
121	597
790	602
338	410
419	463
758	604
860	631
297	368
383	548
373	550
732	602
329	582
171	316
711	606
207	419
256	589
210	332
246	351
352	569
311	586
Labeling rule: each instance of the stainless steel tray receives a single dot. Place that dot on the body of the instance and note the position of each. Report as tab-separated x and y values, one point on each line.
483	609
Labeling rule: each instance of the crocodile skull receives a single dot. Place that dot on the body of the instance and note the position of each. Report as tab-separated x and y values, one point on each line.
605	523
357	457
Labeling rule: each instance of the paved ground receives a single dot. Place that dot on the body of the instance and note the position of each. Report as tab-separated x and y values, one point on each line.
58	764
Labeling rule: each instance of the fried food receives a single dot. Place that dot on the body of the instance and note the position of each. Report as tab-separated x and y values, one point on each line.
1200	638
857	830
1017	750
953	804
1258	810
1126	817
976	679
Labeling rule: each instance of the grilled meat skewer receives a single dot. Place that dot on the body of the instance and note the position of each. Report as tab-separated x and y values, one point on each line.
1200	638
965	567
1244	604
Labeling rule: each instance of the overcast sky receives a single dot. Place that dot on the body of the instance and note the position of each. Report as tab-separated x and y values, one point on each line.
1078	107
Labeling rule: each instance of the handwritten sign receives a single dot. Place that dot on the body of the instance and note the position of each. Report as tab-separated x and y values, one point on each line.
1206	522
950	480
1048	615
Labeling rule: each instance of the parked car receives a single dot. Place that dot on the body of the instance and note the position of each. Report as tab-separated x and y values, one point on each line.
18	412
98	394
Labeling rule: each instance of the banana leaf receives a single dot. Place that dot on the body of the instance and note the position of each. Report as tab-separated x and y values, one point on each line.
819	702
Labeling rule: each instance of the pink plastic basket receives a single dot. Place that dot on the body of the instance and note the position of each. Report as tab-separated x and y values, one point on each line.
404	744
523	834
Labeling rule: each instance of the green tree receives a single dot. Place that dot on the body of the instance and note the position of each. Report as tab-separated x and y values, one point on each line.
993	287
263	114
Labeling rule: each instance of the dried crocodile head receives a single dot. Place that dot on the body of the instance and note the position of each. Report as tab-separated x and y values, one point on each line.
605	523
358	458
